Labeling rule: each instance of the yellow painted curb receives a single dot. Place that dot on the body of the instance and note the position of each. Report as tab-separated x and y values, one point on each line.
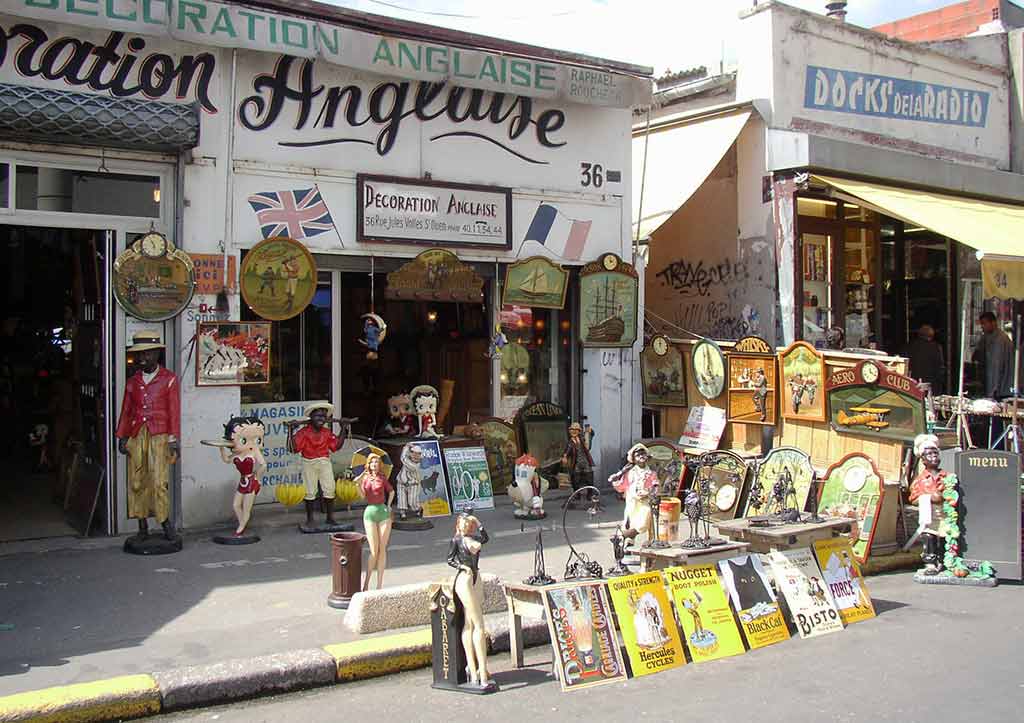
130	696
380	656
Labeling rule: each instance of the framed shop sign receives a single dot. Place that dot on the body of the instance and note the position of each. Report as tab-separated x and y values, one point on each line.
469	477
853	489
990	510
872	400
412	211
535	282
501	443
231	353
609	293
278	278
753	383
802	382
582	628
544	431
664	376
435	275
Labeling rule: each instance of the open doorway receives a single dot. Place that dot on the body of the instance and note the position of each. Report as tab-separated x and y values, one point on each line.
52	386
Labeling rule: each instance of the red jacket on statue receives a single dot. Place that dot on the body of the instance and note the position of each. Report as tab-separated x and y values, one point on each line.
156	405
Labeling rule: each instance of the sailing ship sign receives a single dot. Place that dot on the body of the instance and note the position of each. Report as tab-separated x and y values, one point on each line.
609	289
536	282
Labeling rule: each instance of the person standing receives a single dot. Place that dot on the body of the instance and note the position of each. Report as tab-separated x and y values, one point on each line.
927	362
995	353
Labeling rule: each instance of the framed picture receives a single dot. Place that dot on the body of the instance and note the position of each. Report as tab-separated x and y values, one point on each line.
724	473
278	278
469	477
231	353
753	389
780	463
802	378
536	282
872	400
852	488
708	365
582	627
609	293
153	280
664	377
502	447
667	462
545	431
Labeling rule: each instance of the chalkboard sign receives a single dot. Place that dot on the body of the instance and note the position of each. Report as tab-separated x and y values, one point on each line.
990	509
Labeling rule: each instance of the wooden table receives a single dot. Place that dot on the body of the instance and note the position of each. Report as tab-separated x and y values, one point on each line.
653	558
527	601
782	537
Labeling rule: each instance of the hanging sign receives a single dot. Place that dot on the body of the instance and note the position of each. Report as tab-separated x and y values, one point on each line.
278	278
583	636
609	292
398	210
753	382
755	603
1002	278
536	282
704	612
435	275
153	280
872	400
647	624
807	595
844	580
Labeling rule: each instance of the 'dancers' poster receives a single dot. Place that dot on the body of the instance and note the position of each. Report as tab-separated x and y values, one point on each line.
751	594
809	600
648	627
842	575
704	612
583	636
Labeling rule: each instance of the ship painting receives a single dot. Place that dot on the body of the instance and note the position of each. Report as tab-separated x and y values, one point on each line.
605	315
536	284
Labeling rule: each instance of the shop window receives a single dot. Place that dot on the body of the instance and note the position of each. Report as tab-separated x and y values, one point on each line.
5	175
300	353
816	207
860	274
817	309
41	188
536	364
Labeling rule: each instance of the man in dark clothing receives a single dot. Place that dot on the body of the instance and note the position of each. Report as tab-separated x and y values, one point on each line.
995	352
927	362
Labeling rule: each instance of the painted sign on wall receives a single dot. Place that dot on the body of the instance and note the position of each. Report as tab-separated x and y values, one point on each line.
848	91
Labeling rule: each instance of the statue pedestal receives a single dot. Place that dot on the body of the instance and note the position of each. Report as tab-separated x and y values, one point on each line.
322	527
447	656
412	524
245	539
152	544
946	578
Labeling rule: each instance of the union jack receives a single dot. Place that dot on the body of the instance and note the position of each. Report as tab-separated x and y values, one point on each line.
296	214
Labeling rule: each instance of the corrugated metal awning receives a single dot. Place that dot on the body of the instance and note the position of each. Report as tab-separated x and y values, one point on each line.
43	115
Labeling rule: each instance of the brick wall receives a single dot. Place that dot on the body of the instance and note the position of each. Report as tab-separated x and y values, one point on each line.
952	21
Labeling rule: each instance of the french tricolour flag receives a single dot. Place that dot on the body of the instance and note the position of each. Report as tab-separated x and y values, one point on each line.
559	234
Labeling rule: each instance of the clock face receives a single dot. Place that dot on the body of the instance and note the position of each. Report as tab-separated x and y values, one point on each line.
660	345
610	262
855	479
870	373
725	498
153	245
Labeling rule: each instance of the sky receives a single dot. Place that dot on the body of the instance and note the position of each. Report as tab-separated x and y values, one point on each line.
667	35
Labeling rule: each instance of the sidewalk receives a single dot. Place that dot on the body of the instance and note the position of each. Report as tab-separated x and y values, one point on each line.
82	610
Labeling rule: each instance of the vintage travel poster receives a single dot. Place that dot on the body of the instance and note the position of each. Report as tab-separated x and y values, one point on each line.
807	595
469	478
842	575
756	605
704	612
648	626
583	636
802	368
433	485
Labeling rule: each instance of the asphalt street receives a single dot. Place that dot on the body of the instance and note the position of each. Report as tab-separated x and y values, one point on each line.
932	654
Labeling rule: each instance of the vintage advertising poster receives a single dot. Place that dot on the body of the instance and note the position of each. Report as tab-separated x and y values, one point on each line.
704	612
842	575
853	488
583	636
704	428
807	595
278	278
648	627
802	371
751	593
469	478
232	352
210	275
433	485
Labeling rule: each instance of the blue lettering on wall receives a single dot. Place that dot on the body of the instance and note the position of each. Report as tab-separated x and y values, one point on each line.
847	91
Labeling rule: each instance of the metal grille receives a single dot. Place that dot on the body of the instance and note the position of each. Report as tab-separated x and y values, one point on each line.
42	115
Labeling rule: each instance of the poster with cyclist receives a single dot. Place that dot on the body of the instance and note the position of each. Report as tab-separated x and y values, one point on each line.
469	477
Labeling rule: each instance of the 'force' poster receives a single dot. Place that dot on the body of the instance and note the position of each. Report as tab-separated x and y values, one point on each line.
647	624
704	612
842	575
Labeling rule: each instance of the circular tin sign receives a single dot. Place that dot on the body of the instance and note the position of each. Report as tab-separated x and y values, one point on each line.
708	364
153	287
278	278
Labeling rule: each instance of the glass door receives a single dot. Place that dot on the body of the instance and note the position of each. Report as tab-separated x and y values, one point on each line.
818	314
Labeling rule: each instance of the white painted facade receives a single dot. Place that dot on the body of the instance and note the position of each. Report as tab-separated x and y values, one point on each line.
536	149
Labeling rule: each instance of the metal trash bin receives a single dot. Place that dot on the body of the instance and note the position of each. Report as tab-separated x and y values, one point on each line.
346	567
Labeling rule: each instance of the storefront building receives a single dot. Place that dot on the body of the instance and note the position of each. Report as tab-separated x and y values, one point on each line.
221	124
835	178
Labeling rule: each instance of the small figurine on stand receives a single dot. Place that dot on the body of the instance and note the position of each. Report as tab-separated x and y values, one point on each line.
374	332
378	493
242	447
636	481
147	433
464	556
409	480
401	422
937	495
424	405
498	342
316	441
527	491
618	541
576	460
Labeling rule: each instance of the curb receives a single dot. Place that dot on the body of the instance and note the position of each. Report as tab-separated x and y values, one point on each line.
135	696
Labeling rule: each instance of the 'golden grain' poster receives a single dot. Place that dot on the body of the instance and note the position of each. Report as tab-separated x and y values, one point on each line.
647	624
704	612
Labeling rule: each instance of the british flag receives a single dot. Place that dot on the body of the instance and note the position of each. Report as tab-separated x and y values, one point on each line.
296	214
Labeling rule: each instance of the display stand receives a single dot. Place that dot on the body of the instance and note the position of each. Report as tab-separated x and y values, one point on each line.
783	537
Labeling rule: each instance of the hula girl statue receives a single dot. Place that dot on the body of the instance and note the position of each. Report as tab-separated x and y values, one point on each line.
379	494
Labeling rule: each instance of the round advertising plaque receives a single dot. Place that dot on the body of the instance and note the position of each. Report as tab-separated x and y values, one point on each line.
155	282
278	278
